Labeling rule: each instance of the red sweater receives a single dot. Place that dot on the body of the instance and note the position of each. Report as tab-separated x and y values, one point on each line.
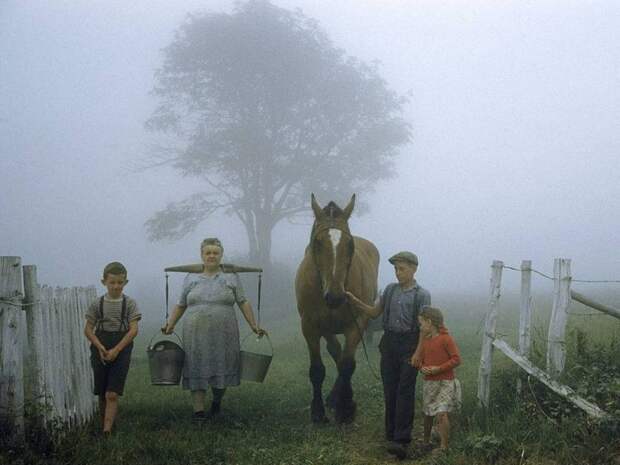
440	351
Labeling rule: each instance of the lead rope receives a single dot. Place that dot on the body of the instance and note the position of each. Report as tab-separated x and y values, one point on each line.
166	321
359	330
260	279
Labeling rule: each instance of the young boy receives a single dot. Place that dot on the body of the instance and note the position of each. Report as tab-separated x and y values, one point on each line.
442	391
400	305
111	326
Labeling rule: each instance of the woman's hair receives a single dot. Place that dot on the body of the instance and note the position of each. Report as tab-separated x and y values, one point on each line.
114	268
432	314
211	241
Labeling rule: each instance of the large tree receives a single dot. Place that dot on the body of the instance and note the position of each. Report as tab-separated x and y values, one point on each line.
265	109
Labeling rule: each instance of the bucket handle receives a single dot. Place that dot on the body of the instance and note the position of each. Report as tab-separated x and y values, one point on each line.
265	335
166	317
157	333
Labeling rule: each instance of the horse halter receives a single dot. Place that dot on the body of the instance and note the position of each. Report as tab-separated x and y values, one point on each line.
331	224
316	229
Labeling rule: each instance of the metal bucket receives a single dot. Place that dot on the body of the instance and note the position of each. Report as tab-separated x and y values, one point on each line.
165	362
254	366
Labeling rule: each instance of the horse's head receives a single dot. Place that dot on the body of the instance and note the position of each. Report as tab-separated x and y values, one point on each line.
332	248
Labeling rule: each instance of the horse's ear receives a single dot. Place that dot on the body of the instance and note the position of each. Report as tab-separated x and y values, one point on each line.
318	211
349	208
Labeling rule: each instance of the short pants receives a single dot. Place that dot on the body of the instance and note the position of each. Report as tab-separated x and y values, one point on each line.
110	376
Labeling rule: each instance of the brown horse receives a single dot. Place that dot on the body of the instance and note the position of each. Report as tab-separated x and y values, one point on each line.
334	261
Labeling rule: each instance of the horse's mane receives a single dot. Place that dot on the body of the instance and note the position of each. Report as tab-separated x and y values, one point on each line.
333	210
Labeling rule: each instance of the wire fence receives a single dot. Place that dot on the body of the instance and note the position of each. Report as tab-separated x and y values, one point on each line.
544	275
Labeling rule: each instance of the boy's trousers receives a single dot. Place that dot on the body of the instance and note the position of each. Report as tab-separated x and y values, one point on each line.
399	379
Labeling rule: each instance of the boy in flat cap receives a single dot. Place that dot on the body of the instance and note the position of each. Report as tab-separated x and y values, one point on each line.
400	305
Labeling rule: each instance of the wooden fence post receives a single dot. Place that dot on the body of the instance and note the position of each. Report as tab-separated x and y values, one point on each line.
486	359
55	337
556	348
47	306
86	296
34	319
525	314
11	354
525	318
77	339
65	328
91	295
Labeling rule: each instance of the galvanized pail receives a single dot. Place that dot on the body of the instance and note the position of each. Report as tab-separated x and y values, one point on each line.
254	366
165	362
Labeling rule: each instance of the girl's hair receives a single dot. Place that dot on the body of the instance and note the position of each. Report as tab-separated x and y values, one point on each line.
211	241
114	268
432	314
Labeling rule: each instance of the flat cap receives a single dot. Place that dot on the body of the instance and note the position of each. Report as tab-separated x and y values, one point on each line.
404	256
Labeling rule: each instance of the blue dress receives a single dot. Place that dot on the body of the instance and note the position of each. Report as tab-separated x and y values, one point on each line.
211	331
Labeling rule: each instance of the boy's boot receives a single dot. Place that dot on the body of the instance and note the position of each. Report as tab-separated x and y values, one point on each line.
398	449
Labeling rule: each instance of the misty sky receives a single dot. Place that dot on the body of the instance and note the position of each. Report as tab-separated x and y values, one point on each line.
515	109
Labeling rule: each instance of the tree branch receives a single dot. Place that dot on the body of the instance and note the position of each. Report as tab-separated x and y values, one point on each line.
180	218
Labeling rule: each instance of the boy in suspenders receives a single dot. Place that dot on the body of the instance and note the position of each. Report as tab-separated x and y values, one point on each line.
111	326
400	348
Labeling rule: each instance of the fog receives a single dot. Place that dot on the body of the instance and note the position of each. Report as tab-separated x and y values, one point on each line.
515	110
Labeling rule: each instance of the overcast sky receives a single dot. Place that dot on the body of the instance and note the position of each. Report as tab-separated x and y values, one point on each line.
515	109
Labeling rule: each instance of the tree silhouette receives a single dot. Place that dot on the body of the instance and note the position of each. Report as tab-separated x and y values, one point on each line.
265	109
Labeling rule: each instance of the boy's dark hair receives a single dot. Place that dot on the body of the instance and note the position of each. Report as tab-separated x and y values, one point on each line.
432	314
114	268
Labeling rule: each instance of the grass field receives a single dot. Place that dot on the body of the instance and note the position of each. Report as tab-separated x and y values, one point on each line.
269	423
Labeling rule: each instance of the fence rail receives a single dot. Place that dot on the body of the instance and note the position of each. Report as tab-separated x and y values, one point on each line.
556	348
51	370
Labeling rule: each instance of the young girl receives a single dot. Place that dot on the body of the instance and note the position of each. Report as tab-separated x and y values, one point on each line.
442	391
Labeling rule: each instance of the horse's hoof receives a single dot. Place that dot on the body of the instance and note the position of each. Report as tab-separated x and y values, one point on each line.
319	420
317	411
344	419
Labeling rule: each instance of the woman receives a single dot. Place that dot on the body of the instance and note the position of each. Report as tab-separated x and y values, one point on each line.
210	331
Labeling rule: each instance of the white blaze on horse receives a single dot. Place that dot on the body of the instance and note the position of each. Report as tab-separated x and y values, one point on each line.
334	261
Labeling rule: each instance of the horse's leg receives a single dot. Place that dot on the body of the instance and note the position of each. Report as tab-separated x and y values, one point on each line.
317	375
335	350
345	406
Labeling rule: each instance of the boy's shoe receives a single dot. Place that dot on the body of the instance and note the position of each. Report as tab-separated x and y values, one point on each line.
199	417
398	449
420	449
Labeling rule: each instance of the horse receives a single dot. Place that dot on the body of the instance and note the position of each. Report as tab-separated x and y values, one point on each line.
334	260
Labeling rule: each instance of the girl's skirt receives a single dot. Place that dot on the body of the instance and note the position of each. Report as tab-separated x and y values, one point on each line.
441	396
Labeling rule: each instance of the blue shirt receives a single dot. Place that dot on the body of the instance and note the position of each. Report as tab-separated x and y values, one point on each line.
400	314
